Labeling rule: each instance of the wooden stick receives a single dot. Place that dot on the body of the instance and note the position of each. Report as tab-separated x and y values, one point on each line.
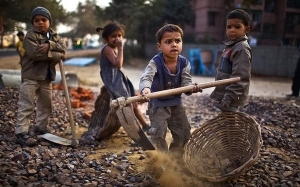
175	91
74	142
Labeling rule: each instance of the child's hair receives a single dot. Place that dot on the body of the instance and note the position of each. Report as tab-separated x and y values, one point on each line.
240	14
167	28
20	33
109	28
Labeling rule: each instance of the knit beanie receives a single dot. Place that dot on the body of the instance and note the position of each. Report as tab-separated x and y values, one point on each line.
40	11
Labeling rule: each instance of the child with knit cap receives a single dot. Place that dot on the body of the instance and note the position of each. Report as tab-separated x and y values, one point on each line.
43	50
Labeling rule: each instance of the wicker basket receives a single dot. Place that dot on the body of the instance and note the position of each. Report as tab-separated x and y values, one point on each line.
223	147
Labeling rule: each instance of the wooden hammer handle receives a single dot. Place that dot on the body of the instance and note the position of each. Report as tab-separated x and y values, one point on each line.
175	91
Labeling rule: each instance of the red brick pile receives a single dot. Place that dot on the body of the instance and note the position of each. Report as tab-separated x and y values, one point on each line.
78	96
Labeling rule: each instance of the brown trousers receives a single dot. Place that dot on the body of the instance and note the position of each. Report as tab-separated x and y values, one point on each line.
34	93
173	118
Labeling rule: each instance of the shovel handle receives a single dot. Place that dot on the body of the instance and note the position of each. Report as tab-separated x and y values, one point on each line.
175	91
74	142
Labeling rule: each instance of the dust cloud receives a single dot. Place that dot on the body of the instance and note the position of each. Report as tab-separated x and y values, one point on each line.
169	169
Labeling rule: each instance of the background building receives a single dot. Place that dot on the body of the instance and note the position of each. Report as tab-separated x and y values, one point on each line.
275	22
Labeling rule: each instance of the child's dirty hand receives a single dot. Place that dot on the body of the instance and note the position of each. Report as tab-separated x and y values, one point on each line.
145	91
196	88
144	100
63	57
119	42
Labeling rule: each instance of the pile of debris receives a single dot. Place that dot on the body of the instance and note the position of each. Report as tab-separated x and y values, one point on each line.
78	97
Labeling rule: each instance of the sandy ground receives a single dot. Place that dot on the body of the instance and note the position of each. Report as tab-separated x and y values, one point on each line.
89	76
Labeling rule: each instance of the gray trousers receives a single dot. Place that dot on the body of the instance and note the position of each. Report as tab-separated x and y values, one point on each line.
175	119
34	93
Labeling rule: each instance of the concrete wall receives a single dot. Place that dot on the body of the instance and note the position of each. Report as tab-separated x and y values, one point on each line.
267	60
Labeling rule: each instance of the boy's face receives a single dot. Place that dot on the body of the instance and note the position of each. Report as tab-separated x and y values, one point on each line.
235	28
171	44
41	23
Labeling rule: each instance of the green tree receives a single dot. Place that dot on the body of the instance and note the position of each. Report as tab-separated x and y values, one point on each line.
85	19
178	12
13	12
128	13
143	17
19	11
140	18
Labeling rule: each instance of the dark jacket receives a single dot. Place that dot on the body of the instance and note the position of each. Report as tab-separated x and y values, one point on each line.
235	62
36	65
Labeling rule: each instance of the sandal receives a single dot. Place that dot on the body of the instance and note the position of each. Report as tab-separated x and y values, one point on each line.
26	140
40	132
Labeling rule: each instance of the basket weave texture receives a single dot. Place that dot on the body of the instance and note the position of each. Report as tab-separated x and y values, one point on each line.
223	147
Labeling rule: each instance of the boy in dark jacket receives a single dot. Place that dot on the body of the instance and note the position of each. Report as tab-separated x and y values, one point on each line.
43	50
235	62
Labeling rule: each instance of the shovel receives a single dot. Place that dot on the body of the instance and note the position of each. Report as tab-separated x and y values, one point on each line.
57	139
127	117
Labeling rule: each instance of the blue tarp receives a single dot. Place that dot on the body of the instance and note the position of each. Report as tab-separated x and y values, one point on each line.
79	61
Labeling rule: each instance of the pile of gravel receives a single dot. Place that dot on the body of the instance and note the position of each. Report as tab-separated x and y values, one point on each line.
49	164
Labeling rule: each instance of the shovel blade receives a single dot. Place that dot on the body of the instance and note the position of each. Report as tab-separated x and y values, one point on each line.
56	139
131	126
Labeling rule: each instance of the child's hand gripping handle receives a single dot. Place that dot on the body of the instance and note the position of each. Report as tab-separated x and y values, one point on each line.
175	91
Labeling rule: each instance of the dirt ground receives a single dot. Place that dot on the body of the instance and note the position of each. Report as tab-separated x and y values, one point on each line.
156	162
167	169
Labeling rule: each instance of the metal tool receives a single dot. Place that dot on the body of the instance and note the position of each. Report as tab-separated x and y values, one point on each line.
57	139
131	125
